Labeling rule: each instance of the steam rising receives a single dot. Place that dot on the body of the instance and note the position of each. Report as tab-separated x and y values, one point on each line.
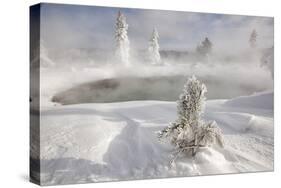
82	51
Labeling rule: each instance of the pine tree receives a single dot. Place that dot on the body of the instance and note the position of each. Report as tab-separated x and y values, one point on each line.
267	60
122	40
253	39
153	48
189	132
205	47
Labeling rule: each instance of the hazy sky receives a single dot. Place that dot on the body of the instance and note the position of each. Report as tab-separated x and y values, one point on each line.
74	26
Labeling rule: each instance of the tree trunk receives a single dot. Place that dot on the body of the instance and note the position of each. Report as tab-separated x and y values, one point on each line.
194	150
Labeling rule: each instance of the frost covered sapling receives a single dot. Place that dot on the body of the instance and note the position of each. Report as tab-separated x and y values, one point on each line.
189	132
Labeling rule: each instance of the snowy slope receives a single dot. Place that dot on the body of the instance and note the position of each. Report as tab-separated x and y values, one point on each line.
117	141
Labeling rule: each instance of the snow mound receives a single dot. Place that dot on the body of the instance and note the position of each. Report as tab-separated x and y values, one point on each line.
259	100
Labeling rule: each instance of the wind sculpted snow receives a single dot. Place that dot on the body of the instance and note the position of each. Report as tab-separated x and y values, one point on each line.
117	141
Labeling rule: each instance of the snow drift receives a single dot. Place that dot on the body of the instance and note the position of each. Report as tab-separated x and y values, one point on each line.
117	141
264	100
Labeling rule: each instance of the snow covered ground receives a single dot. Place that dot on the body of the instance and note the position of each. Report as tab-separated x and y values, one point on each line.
100	105
117	141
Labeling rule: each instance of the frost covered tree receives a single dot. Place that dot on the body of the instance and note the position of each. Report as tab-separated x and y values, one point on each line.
122	40
205	47
253	39
189	132
267	60
153	48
